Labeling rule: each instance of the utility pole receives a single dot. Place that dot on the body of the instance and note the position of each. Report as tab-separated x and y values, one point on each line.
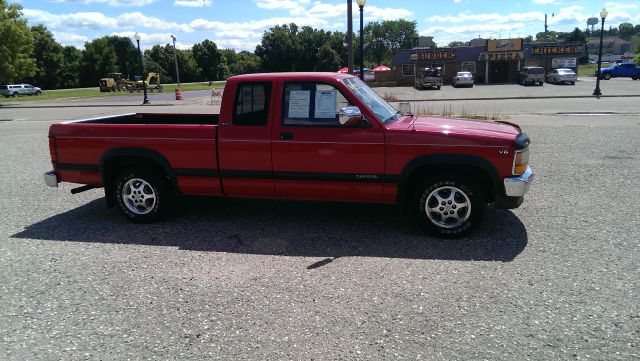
350	37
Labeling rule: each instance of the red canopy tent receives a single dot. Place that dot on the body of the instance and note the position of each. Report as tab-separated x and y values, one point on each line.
343	70
381	68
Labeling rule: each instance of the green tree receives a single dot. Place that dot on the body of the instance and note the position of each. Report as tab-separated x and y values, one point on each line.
48	56
279	48
126	53
376	43
209	60
69	75
98	60
17	46
382	39
327	59
188	67
626	31
159	59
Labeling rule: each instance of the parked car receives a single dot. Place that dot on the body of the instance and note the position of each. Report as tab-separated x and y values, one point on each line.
429	78
562	75
623	70
309	136
462	78
19	89
532	75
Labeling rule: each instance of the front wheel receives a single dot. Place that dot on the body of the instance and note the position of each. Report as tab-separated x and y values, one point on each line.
607	76
142	195
449	206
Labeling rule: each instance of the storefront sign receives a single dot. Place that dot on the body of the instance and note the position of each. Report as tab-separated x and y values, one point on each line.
435	55
557	49
495	45
511	55
563	63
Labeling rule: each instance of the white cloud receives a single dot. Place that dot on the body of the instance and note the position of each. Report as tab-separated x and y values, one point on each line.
281	4
96	20
544	2
238	44
70	38
85	20
115	3
488	17
192	3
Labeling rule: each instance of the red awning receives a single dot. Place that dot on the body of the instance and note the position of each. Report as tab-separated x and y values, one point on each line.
381	68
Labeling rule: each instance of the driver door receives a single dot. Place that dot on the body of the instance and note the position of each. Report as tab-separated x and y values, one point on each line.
315	156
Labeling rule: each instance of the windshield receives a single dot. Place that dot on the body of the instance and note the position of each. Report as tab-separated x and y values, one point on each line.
385	112
464	73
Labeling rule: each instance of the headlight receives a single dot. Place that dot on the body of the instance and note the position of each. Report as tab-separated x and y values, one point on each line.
521	161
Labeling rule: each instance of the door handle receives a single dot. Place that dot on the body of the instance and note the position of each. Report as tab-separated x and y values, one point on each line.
286	136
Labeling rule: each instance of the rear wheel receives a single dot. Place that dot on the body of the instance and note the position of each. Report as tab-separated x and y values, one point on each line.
606	76
438	87
142	195
448	205
15	95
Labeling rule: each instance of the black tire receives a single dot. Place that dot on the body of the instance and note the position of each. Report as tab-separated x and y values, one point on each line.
461	196
438	87
142	195
606	76
15	95
573	83
38	92
555	81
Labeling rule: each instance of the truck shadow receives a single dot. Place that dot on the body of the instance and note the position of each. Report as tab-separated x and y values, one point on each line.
286	228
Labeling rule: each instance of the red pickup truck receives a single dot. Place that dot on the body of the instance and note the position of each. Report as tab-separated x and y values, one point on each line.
309	136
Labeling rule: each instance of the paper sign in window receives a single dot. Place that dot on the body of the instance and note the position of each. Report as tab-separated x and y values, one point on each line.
299	101
325	104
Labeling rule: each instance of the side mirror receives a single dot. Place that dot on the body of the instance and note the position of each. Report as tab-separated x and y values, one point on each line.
352	117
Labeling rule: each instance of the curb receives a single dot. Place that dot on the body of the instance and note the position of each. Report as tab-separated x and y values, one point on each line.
517	98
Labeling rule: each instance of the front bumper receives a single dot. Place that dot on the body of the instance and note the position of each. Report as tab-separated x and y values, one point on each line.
518	186
50	179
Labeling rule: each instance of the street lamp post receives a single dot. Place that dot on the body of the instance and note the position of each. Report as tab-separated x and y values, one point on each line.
175	59
349	37
361	4
597	92
144	83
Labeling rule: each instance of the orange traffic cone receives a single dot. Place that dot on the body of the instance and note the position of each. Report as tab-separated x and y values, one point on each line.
178	94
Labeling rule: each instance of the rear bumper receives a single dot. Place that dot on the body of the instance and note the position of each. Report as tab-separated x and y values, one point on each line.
50	179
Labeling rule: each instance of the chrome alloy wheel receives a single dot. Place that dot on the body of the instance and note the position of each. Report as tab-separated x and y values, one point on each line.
138	196
448	207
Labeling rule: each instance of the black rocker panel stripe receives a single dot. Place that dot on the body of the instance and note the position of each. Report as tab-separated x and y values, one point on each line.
247	174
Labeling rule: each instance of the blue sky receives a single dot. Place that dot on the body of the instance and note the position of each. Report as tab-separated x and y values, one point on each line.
239	24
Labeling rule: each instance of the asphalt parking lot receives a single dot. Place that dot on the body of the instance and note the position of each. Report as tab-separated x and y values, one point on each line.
557	278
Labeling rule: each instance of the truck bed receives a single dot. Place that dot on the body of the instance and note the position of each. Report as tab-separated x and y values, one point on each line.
159	119
184	143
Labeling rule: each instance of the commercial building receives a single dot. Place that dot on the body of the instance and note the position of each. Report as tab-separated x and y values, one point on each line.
490	61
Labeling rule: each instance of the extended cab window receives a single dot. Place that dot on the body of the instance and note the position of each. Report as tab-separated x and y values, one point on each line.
312	104
252	104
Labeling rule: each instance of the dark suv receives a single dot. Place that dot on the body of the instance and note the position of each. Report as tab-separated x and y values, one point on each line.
532	75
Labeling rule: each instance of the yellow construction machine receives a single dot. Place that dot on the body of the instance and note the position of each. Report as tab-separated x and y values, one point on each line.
152	82
115	82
